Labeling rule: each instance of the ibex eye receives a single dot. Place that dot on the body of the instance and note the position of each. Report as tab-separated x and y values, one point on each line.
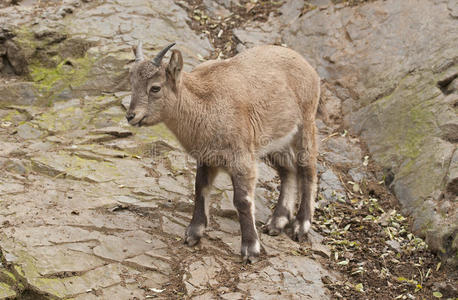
155	89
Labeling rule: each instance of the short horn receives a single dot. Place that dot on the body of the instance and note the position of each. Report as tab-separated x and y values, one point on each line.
157	60
139	52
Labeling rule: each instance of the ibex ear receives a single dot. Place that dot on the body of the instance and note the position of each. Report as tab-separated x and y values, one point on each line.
175	66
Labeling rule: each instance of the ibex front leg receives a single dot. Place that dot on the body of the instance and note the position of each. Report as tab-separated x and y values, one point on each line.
244	183
204	179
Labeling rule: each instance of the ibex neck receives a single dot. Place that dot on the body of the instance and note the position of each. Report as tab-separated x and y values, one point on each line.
184	117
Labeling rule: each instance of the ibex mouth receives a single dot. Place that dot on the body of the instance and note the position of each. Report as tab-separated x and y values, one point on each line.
140	122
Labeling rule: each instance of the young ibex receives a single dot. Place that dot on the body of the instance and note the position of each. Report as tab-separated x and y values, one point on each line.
260	104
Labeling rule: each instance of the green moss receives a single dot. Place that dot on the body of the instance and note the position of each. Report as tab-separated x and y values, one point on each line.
406	119
6	291
69	118
10	116
25	40
19	270
7	276
72	72
420	120
55	287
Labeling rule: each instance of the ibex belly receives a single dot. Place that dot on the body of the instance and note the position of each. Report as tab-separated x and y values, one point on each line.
269	145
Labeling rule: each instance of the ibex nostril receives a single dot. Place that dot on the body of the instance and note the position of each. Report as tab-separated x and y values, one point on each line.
130	116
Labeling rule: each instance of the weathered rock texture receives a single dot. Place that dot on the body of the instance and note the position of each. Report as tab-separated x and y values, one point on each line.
83	49
394	66
92	207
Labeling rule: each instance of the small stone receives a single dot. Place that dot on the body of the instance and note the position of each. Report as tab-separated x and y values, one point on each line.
114	131
330	186
394	244
453	7
9	257
6	148
202	272
63	11
215	9
232	296
28	132
17	166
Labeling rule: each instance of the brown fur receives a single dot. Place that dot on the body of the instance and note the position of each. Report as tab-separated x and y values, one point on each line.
260	104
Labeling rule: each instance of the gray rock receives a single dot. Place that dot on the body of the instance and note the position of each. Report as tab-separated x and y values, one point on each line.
171	227
395	105
292	276
342	151
452	177
114	131
11	187
320	2
394	244
18	93
16	58
453	7
28	132
6	148
215	9
228	3
232	296
116	21
317	246
263	200
330	186
357	174
17	166
202	274
256	33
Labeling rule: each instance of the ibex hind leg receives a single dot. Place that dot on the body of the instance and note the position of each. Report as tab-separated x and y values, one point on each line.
307	182
286	166
244	183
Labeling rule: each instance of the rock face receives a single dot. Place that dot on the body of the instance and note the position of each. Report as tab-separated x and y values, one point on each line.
91	219
85	49
396	77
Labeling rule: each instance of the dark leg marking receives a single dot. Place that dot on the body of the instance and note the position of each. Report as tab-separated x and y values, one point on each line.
244	187
285	207
307	179
204	180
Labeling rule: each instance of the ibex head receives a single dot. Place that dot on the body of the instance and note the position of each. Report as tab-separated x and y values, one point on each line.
152	82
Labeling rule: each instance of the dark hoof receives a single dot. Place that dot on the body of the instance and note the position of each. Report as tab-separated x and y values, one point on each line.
193	235
271	230
250	259
191	241
250	252
275	225
300	230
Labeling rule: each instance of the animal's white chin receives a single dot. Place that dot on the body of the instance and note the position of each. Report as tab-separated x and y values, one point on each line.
145	121
141	122
138	121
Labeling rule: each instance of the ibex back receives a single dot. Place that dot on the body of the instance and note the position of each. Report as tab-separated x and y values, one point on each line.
260	104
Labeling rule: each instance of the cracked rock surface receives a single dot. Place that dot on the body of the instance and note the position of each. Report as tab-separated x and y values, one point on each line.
88	217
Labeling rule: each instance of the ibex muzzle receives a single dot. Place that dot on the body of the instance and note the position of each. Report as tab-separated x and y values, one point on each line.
260	104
